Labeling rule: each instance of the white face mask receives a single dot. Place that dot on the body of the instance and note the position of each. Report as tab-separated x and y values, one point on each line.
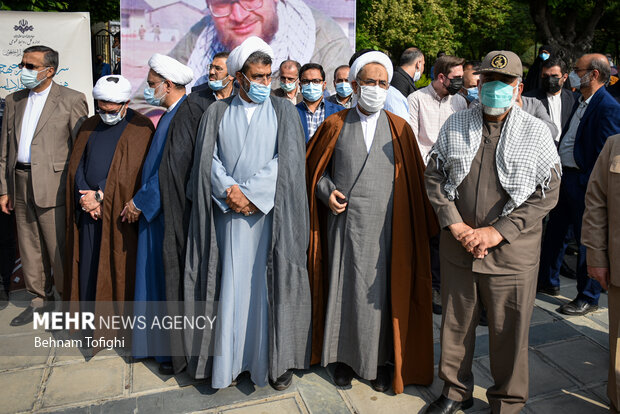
113	119
576	81
372	98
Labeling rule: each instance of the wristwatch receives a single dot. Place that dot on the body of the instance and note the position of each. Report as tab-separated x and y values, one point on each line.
99	197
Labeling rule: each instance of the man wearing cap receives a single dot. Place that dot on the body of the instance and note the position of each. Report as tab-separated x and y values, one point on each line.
595	117
38	129
248	233
492	176
166	87
104	172
369	216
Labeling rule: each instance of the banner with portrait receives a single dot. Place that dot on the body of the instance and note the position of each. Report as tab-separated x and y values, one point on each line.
192	31
67	33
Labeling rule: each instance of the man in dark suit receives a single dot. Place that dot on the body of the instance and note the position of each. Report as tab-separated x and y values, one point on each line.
38	130
595	117
314	108
557	100
410	70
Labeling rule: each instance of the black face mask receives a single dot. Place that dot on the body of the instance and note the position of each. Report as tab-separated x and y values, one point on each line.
455	86
551	84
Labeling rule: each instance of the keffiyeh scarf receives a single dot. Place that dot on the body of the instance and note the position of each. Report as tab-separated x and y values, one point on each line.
525	156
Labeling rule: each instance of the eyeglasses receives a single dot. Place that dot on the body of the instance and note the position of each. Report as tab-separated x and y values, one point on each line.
373	82
223	8
215	68
101	111
30	66
287	80
576	69
308	81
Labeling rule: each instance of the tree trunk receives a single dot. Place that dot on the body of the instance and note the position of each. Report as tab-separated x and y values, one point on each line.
570	40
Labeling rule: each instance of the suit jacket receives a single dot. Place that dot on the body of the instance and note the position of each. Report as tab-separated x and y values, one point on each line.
53	139
601	223
600	121
403	82
330	108
568	100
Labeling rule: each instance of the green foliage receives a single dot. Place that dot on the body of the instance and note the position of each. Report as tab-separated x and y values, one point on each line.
100	10
467	28
393	25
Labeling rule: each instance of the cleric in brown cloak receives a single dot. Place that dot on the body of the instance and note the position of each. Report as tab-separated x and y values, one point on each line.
368	258
104	173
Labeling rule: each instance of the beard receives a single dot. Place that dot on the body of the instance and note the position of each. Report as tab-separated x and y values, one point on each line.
269	28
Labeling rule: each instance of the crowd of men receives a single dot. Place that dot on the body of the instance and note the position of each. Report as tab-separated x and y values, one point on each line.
317	228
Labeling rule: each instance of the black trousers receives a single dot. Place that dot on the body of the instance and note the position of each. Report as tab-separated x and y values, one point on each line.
7	248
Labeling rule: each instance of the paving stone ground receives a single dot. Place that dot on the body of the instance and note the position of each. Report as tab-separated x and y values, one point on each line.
568	369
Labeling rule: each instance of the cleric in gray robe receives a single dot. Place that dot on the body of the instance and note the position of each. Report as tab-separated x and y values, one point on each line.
358	187
248	233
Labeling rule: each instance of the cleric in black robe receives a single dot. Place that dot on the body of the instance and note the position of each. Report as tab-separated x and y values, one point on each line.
174	171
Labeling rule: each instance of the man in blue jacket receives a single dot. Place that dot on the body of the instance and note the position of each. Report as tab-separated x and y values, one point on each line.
595	117
313	109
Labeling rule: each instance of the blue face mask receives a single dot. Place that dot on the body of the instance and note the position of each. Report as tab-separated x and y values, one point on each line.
150	98
216	85
544	56
496	94
344	89
288	87
257	92
472	94
29	78
312	92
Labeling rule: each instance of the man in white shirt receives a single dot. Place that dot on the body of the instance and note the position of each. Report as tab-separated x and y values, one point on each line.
429	108
557	100
39	127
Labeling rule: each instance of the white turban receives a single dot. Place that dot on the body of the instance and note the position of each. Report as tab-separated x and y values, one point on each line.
171	69
371	57
112	88
241	53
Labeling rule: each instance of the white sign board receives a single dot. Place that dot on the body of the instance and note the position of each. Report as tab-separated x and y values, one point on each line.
67	33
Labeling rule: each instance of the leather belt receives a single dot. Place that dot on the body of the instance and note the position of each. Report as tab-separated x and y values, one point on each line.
22	166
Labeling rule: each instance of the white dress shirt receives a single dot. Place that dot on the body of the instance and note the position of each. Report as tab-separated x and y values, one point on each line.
428	112
555	112
568	142
32	113
369	126
249	108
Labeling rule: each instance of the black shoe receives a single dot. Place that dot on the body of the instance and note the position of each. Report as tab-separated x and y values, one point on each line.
343	374
444	405
4	298
549	290
436	302
578	307
383	380
566	271
165	368
24	317
283	382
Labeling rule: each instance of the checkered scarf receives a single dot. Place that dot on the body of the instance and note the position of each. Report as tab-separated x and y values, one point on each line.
525	156
295	39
